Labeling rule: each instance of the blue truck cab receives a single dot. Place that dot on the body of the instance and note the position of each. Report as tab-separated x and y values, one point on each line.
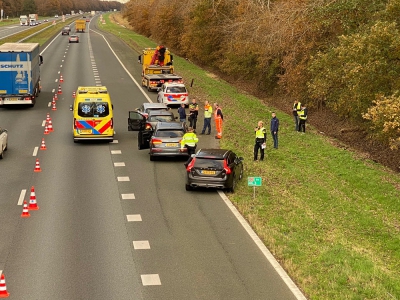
19	73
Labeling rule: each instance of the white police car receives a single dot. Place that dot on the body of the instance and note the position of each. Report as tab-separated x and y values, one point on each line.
3	142
173	94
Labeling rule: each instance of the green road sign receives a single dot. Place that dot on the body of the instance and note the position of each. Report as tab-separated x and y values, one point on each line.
254	181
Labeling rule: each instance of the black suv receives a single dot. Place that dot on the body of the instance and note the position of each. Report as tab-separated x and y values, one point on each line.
217	168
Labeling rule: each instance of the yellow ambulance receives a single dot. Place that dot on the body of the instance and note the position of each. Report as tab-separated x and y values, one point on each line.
93	114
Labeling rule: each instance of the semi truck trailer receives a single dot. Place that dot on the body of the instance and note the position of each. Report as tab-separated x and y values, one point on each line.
19	73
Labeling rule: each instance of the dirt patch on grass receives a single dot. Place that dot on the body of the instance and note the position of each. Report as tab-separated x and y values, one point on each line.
118	19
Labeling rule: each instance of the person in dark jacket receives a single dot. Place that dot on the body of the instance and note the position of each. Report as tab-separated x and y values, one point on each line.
274	129
182	114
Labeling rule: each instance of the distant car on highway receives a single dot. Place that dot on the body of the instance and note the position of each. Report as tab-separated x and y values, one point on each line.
56	16
173	94
66	30
214	168
73	39
3	141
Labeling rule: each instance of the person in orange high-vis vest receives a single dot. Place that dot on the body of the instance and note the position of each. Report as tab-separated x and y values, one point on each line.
219	119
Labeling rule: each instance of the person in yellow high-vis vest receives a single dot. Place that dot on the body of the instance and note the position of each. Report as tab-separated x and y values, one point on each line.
207	118
189	141
303	118
261	137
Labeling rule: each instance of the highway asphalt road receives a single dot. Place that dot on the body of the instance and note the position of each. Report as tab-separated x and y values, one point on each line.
112	224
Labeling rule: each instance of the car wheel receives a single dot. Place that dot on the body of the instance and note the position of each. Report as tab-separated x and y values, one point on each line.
152	158
140	146
5	149
233	187
188	187
149	89
2	155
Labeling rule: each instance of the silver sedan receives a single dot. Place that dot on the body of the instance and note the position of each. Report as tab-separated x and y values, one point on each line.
3	142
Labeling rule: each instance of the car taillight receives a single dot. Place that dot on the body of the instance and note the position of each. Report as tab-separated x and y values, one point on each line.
75	124
27	98
226	167
147	126
112	123
190	165
156	141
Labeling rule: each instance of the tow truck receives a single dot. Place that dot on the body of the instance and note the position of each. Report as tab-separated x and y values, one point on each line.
157	68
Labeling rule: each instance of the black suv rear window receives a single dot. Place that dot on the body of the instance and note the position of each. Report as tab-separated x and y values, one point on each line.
93	109
169	133
209	163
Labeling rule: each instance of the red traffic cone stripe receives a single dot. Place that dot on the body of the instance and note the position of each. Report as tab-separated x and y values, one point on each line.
50	125
54	106
25	211
73	94
37	166
59	89
55	96
61	78
46	130
32	200
3	287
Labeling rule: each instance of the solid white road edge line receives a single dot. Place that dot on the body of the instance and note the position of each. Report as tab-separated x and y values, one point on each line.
35	151
282	273
21	197
123	66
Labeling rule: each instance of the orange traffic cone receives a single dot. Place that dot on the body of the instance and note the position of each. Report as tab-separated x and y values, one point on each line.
54	106
43	145
3	287
32	200
37	166
25	211
59	90
73	94
46	130
55	96
50	125
48	117
61	78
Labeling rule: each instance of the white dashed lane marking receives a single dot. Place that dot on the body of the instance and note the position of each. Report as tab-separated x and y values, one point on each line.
56	80
43	123
35	151
150	279
123	178
116	152
53	90
134	218
139	245
114	142
60	66
21	197
128	196
48	105
119	164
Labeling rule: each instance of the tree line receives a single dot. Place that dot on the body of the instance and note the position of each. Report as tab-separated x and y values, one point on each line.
15	8
343	55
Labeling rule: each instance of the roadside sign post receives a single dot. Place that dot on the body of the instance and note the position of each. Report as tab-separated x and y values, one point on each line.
254	181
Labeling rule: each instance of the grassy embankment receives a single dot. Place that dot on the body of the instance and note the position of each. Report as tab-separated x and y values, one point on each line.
6	22
41	37
331	217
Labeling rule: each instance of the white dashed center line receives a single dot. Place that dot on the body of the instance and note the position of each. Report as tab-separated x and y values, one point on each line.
60	66
150	279
116	152
53	90
119	164
134	218
21	197
56	80
124	178
114	142
139	245
128	196
35	151
44	122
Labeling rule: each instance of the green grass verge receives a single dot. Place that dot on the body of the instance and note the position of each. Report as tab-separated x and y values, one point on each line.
7	22
330	216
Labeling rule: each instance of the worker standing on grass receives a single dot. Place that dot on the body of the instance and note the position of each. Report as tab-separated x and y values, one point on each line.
274	129
219	118
193	113
303	118
207	118
261	137
189	141
296	109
